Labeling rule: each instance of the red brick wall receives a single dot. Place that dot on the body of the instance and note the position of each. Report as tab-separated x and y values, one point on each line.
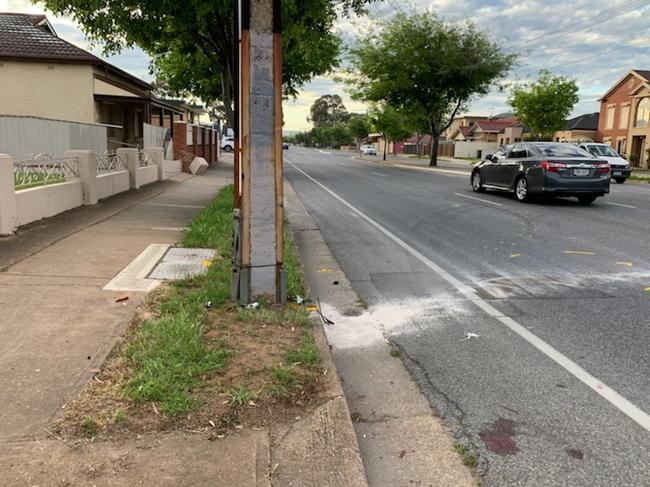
206	149
617	96
180	139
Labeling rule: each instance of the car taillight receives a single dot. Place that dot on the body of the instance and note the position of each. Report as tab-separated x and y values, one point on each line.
602	168
553	166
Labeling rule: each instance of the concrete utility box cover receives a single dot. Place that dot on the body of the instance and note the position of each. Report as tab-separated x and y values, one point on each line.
179	263
198	166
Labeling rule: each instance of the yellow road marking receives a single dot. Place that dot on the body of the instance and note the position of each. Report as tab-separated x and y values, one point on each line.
324	269
514	256
578	252
625	263
312	307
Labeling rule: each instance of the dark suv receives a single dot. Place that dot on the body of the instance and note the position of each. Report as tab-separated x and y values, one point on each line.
548	168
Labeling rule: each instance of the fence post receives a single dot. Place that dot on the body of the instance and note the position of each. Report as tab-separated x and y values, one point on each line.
87	166
157	157
130	156
7	196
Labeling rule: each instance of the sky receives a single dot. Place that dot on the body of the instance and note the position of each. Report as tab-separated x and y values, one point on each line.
593	41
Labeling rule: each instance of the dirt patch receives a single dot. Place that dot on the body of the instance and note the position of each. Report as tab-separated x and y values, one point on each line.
260	386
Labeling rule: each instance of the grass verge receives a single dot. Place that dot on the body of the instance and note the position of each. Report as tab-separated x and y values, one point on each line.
194	358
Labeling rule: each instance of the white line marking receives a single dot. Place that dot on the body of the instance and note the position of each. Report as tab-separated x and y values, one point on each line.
478	199
169	229
626	407
620	204
378	174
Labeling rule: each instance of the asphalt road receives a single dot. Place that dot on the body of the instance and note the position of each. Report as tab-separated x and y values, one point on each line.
528	324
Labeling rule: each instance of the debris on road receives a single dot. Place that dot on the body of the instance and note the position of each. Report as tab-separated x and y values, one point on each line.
122	299
469	335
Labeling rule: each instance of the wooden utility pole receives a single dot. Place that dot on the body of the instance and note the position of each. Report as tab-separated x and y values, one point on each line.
259	262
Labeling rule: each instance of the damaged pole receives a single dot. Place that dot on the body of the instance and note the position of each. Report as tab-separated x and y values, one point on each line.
259	263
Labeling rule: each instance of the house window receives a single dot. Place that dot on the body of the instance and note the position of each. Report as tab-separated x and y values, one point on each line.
624	116
642	113
620	146
609	119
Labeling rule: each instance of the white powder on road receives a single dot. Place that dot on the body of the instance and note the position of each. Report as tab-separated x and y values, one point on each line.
374	324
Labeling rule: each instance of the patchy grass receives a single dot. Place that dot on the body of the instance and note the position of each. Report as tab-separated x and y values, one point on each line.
470	460
38	181
394	352
184	364
636	177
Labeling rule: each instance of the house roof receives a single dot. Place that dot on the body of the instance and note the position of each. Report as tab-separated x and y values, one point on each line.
588	121
643	75
494	126
28	37
464	130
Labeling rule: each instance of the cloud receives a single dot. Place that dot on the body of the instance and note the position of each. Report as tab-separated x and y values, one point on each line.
593	41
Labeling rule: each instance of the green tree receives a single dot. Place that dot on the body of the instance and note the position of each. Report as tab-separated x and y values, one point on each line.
327	111
419	63
545	104
391	123
358	127
191	41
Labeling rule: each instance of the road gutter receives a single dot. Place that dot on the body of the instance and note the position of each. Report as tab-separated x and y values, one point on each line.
401	441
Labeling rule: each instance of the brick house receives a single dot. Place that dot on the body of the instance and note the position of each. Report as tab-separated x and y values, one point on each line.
625	116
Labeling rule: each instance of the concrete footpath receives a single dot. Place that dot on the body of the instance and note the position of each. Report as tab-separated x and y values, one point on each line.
58	326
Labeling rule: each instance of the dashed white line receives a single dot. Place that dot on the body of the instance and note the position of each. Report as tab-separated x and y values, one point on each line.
614	398
378	174
478	199
621	204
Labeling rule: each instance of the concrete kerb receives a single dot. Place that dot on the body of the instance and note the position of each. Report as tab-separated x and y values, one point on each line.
398	435
323	449
416	167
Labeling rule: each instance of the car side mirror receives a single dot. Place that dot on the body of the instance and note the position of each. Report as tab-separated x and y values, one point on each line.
488	157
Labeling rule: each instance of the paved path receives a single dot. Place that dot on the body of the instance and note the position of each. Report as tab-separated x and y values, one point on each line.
57	323
526	325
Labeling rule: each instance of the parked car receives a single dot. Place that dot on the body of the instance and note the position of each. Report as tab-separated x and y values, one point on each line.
368	150
544	168
285	146
619	166
228	143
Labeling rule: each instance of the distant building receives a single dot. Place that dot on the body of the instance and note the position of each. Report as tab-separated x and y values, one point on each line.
579	129
625	117
42	75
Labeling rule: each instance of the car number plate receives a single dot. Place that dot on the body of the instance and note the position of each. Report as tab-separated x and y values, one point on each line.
581	172
617	173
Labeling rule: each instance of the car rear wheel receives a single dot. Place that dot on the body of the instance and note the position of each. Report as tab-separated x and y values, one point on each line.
227	148
587	199
521	190
619	180
477	182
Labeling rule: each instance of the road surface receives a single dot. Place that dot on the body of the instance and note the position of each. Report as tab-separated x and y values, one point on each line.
528	324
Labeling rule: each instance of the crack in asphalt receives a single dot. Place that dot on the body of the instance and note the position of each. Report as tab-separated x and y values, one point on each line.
451	412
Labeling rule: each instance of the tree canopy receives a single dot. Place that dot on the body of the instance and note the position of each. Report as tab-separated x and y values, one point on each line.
545	104
327	111
426	67
191	41
390	122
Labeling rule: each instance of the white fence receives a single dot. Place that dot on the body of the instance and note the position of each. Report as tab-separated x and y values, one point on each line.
472	149
23	136
45	186
155	136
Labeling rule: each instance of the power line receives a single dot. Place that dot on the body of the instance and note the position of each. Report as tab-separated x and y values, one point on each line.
599	18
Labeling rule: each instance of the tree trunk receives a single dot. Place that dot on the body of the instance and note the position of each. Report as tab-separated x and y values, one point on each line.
385	147
434	150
